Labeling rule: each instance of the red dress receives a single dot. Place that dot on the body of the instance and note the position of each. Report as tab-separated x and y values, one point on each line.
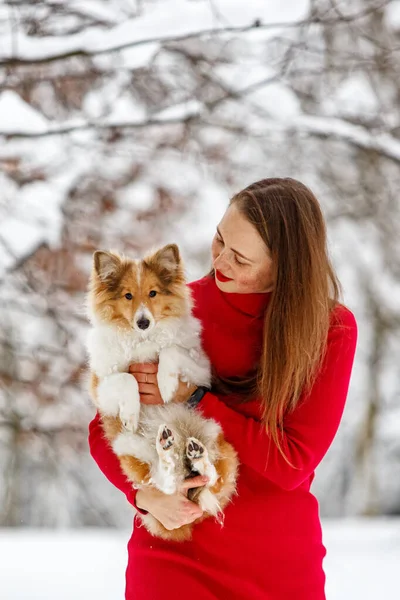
270	547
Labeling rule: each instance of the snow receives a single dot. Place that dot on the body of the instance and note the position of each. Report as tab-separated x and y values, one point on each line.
198	227
96	10
18	239
355	134
354	97
32	221
162	21
181	111
362	561
392	15
278	100
138	196
17	116
62	565
139	56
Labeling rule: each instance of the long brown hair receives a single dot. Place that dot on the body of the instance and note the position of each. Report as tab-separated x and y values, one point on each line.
288	218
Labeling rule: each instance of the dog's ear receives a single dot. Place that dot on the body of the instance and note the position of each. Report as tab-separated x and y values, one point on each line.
166	264
106	265
168	257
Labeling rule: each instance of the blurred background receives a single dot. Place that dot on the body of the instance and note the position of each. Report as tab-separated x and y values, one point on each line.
128	124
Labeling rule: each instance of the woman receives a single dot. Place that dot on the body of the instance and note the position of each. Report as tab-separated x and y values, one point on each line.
282	348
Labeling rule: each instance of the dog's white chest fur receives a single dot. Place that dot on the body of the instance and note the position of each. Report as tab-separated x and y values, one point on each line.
173	342
112	349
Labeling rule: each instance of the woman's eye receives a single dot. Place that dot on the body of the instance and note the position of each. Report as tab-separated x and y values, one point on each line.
218	239
128	296
238	262
152	293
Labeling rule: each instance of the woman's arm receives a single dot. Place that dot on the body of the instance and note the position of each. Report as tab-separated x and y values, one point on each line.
172	510
108	462
309	430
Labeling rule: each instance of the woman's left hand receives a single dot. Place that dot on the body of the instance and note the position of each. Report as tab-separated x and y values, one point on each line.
146	376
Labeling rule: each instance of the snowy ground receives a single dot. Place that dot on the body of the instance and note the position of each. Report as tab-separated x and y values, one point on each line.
363	561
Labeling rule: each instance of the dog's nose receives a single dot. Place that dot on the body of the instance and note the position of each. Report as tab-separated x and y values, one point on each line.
143	323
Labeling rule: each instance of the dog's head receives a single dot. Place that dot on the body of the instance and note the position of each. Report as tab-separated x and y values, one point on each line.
138	294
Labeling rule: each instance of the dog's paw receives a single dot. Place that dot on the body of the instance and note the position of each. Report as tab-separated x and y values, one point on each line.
165	439
194	449
165	476
167	384
129	414
199	459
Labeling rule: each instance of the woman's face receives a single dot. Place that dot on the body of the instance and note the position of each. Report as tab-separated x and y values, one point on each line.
239	253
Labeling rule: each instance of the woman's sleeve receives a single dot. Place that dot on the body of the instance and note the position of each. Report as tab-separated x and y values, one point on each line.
108	462
309	430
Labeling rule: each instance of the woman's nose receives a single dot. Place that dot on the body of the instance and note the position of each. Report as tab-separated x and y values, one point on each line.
221	262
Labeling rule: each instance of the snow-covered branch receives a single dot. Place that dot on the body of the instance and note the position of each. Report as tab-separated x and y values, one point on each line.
383	144
186	22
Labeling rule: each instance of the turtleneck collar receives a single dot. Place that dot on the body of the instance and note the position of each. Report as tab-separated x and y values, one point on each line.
249	305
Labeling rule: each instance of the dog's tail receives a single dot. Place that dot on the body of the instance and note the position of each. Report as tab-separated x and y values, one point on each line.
209	503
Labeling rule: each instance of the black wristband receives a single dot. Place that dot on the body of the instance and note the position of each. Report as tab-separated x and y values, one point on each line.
197	396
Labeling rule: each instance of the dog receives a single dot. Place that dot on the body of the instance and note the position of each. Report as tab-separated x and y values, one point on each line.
141	311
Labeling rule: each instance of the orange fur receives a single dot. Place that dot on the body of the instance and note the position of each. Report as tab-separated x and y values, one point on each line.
227	467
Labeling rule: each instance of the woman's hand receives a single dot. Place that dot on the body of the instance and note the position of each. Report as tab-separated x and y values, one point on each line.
146	376
172	510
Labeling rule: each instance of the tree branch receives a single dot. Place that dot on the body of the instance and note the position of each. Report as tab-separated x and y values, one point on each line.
14	61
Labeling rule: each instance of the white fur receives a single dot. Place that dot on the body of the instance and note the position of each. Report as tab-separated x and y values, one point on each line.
175	342
118	395
169	468
208	502
203	465
138	270
143	313
112	349
211	429
167	376
127	443
164	476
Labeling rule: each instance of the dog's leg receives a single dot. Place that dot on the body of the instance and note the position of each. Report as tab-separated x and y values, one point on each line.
191	365
118	395
136	471
168	375
199	460
165	477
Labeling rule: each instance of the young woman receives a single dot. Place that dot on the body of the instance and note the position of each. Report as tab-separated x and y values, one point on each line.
282	348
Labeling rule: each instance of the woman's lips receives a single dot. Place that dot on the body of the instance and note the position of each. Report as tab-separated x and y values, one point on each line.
222	277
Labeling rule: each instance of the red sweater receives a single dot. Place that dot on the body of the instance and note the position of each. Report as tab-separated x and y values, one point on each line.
270	547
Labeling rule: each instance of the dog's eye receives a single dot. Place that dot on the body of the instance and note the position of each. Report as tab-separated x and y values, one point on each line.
152	293
128	296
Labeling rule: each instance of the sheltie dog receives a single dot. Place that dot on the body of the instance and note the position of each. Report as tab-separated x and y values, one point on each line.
140	311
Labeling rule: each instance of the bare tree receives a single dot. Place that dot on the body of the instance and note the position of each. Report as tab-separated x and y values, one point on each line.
125	129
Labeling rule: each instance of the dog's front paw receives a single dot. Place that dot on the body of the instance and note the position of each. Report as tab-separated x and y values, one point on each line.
118	395
129	411
115	389
167	384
